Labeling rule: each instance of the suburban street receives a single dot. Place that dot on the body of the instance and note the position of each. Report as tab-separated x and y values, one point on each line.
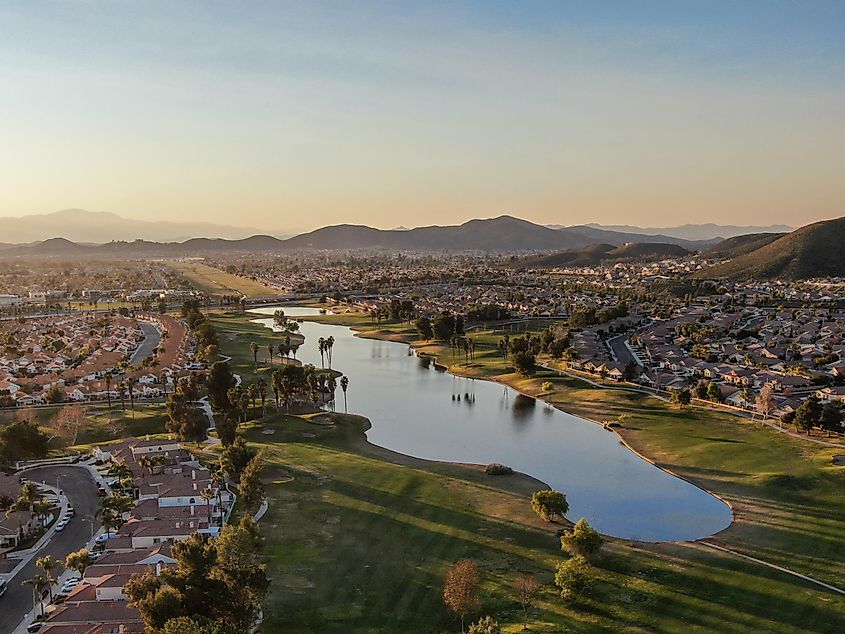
79	487
152	337
620	350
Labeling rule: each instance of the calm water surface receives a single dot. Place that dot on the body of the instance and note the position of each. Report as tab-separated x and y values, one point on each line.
411	407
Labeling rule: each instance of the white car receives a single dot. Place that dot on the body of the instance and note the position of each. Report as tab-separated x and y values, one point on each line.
70	584
60	526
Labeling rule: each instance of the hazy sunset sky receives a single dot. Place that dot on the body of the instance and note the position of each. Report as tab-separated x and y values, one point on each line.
294	115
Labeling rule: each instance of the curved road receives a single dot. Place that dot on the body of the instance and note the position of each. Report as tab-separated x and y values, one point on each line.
81	491
152	337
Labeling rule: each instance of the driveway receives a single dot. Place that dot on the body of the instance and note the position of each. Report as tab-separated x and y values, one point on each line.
79	487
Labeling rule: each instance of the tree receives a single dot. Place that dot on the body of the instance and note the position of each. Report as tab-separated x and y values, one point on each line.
22	440
38	582
525	589
573	577
765	401
831	417
714	393
423	326
220	380
524	362
808	414
682	398
226	427
254	348
344	384
548	503
49	565
217	584
700	390
236	457
79	561
249	485
485	626
583	539
443	326
460	592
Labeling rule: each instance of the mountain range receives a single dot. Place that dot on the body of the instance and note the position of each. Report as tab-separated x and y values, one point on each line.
97	227
708	231
502	234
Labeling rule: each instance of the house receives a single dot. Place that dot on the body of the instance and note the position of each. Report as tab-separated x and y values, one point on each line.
15	526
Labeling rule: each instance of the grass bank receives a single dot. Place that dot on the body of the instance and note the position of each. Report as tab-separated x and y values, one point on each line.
359	537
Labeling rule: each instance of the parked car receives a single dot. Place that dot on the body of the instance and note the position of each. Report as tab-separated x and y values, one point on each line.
70	584
3	587
70	511
34	627
60	525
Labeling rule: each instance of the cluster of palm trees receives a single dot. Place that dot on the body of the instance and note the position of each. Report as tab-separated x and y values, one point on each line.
458	343
29	499
285	348
325	345
241	398
305	383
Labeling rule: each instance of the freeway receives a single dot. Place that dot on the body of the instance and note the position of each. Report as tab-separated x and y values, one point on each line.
78	485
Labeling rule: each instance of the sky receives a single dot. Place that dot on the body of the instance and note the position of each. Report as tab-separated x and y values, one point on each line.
292	115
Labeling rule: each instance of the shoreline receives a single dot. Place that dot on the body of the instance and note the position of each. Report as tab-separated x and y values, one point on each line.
365	333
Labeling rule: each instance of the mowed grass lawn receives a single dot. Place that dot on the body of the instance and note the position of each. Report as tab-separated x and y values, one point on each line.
359	539
99	426
216	282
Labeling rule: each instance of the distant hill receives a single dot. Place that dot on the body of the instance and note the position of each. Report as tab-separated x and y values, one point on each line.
618	238
596	254
504	233
738	245
696	232
811	251
96	227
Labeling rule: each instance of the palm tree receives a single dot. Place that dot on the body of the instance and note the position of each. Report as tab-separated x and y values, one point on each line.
130	386
329	345
37	582
262	393
254	347
344	383
29	495
48	565
270	350
208	494
120	388
107	378
321	346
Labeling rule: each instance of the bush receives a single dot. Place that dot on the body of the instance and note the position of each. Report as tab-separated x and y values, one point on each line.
494	468
583	539
547	386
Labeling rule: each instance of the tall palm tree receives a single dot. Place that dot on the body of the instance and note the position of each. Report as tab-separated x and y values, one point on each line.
270	350
37	582
262	393
344	383
107	378
254	347
321	346
130	387
121	387
329	345
48	565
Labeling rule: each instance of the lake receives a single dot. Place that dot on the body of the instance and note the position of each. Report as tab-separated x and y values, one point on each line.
422	411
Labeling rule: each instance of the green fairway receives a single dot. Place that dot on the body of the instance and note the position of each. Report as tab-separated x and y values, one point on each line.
359	537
